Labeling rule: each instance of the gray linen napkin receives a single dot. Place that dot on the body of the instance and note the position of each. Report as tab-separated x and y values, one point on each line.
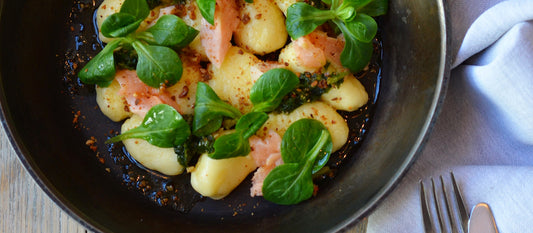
485	130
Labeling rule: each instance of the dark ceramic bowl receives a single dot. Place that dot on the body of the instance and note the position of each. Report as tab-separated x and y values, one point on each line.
37	115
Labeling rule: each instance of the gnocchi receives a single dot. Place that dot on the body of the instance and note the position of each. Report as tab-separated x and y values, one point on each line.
262	27
216	178
349	96
232	81
111	103
337	126
163	160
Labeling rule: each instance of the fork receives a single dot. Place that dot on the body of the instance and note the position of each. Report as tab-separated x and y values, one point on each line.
447	216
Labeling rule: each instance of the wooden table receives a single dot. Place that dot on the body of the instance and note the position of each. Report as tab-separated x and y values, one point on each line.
24	207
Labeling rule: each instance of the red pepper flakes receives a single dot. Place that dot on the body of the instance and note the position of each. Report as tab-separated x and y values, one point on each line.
76	117
245	19
184	92
92	144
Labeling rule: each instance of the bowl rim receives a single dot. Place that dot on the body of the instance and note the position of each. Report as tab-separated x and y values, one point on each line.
444	71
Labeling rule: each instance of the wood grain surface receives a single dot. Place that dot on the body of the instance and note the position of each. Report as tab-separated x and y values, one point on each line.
25	208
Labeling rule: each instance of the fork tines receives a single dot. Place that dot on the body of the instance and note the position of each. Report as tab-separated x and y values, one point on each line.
447	206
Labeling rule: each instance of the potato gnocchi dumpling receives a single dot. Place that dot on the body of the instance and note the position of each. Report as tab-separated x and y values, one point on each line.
184	92
302	56
193	18
232	81
112	104
284	4
163	160
262	27
337	126
216	178
349	96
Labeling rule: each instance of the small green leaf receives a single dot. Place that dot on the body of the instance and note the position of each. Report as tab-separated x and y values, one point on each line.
138	8
250	123
306	139
268	92
157	65
230	145
162	126
363	28
288	184
375	8
236	143
356	54
354	3
189	35
303	19
119	25
347	13
101	69
209	111
207	9
305	149
171	30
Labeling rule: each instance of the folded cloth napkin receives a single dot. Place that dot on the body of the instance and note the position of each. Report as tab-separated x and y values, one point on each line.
485	130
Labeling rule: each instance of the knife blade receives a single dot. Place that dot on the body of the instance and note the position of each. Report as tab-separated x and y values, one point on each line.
482	220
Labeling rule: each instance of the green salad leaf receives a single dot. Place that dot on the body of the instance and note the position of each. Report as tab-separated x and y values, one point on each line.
356	54
157	65
236	143
162	126
305	149
119	25
268	91
303	19
230	145
250	123
207	9
363	28
138	8
352	17
210	110
171	31
101	69
288	184
375	8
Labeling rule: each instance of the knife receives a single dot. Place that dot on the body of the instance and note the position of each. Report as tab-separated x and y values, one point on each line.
482	220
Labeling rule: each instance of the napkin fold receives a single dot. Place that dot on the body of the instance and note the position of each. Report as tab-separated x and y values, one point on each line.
484	133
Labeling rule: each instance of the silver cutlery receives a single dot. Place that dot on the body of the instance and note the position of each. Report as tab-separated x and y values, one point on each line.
482	220
448	207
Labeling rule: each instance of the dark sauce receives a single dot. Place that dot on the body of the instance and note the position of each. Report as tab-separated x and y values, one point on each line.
175	192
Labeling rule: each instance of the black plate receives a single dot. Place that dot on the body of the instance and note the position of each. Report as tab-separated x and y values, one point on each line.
37	115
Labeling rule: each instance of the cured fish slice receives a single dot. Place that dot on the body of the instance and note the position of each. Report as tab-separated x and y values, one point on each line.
216	39
311	52
267	155
332	47
139	96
